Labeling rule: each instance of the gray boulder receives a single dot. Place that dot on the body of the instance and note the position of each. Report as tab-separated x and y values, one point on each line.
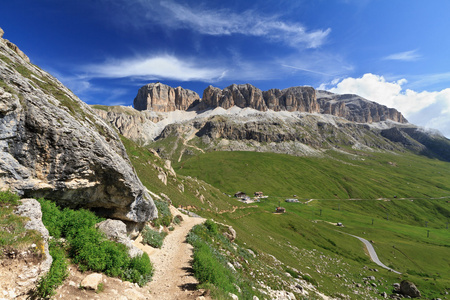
230	234
53	145
31	209
408	288
116	230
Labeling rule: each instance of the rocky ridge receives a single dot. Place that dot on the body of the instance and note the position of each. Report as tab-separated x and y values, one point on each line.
159	97
296	121
163	98
53	145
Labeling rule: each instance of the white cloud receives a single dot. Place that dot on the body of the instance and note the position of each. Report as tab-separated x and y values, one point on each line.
404	56
225	22
155	67
428	109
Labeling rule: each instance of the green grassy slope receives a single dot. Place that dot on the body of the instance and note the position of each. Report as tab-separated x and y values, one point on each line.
401	241
303	238
197	194
338	176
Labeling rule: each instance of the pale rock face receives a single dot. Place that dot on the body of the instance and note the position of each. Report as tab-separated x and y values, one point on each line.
242	95
53	145
245	95
159	97
357	109
300	98
31	209
91	281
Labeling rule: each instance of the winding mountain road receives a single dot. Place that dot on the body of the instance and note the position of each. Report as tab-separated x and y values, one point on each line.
373	255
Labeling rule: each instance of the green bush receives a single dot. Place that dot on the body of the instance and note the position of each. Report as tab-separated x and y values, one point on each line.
212	226
89	248
58	272
140	270
51	217
152	237
208	269
164	215
177	219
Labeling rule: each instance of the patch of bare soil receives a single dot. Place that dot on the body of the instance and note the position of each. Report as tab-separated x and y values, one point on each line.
18	274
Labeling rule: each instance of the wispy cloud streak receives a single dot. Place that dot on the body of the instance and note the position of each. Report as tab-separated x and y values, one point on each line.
154	67
404	56
226	22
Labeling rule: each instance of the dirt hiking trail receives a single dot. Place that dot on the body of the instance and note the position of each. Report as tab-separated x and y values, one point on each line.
172	280
173	277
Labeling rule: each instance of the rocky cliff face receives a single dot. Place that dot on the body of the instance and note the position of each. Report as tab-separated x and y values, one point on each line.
158	97
357	109
163	98
300	98
53	145
139	126
242	95
295	134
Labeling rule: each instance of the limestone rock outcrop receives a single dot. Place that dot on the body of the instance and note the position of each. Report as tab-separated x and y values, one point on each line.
139	126
116	230
242	95
163	98
357	109
299	98
31	209
53	145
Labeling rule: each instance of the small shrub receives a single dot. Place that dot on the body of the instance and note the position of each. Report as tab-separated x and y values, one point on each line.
292	272
309	279
51	217
152	237
171	228
100	288
177	219
140	270
164	215
56	275
207	268
212	226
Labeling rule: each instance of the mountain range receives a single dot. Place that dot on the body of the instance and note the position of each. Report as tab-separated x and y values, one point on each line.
296	121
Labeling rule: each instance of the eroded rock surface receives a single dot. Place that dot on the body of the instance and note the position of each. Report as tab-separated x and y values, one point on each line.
357	109
163	98
53	145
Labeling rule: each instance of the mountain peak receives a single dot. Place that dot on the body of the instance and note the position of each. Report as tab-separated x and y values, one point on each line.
160	97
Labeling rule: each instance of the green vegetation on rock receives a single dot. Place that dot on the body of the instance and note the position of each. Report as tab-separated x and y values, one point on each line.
13	234
89	248
47	284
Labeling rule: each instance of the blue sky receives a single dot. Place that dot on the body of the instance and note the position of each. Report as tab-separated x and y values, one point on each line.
392	52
